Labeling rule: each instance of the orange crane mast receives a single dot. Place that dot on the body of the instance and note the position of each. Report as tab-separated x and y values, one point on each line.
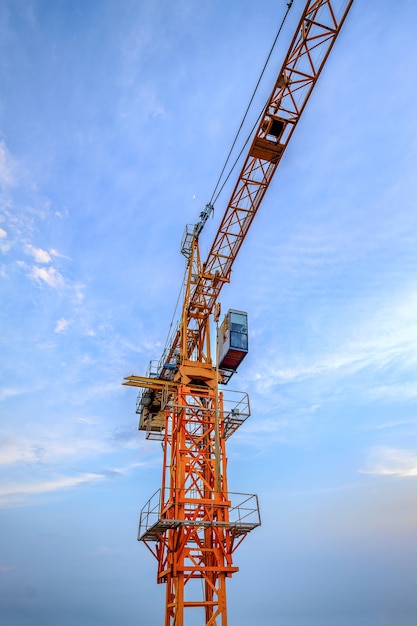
193	524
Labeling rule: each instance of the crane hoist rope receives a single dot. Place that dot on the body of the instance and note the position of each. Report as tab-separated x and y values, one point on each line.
209	209
215	197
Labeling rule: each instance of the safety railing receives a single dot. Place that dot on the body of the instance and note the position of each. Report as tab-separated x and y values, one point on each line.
243	516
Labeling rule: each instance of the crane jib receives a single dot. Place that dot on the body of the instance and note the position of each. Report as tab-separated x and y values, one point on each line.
313	40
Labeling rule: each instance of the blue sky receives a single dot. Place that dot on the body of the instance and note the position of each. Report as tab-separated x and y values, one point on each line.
115	120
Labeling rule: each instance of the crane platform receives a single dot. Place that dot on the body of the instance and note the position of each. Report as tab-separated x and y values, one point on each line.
243	517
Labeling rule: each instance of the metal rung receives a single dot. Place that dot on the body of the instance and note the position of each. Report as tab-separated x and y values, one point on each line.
243	529
154	532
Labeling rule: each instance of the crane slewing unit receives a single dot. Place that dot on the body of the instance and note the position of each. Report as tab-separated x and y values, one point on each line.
193	524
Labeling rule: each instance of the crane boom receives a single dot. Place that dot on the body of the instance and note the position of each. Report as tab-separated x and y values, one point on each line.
193	524
313	40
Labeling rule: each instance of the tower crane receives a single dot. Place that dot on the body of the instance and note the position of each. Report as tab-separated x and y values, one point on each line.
193	524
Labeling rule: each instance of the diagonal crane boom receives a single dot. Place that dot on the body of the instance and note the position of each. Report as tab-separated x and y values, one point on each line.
313	40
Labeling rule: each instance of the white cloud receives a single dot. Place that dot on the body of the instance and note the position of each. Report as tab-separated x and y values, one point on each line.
49	275
15	493
49	449
7	178
47	486
11	392
406	391
61	325
323	365
62	214
85	420
55	253
384	461
40	256
52	277
382	339
78	292
5	247
5	243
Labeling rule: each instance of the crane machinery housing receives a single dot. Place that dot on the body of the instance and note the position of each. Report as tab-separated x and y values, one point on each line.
193	524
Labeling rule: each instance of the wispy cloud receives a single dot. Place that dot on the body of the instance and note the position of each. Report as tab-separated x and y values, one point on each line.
394	424
61	325
85	420
7	174
12	493
49	449
48	486
49	275
406	391
55	253
11	392
71	444
385	338
40	256
55	279
349	362
385	461
5	244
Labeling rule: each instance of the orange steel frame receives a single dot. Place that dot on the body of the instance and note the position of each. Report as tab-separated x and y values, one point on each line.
200	547
195	537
